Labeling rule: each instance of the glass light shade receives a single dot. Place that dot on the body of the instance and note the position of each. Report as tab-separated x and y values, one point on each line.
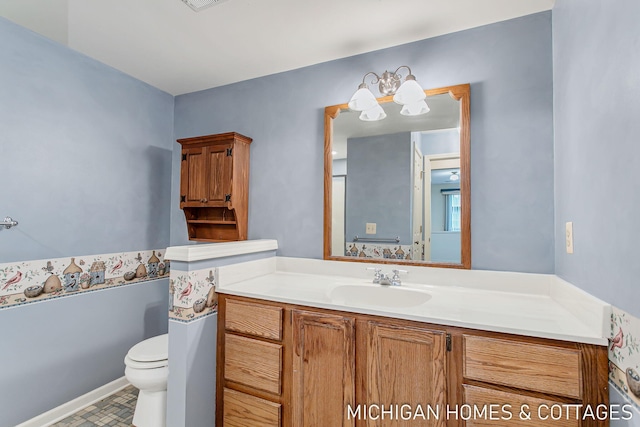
409	93
373	114
416	109
362	100
454	177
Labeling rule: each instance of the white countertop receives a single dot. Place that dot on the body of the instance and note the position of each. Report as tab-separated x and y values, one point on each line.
525	310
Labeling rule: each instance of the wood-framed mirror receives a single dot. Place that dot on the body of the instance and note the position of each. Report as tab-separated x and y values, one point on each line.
398	190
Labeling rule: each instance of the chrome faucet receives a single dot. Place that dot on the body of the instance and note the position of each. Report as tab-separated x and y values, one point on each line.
383	279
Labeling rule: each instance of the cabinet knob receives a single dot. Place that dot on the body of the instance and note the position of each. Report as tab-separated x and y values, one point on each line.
205	200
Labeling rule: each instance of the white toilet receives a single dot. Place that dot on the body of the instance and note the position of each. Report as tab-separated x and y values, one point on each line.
147	369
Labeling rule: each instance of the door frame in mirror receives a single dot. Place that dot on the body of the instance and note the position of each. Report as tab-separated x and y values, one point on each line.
459	93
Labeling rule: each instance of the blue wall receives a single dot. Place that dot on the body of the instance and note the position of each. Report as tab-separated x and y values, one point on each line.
379	186
509	66
596	112
85	155
57	350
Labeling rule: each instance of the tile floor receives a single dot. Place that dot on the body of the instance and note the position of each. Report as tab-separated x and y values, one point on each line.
115	410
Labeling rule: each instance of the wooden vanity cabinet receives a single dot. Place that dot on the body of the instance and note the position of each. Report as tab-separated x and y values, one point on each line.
214	186
294	366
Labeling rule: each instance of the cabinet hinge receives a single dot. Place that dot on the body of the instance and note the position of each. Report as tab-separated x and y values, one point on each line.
184	157
227	197
183	199
229	152
448	342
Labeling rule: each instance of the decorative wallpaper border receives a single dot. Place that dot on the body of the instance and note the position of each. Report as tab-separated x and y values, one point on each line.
624	355
33	281
378	250
192	294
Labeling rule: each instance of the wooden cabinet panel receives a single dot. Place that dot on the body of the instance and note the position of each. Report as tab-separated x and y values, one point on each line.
257	364
405	365
255	319
220	167
195	186
244	410
323	369
483	397
535	367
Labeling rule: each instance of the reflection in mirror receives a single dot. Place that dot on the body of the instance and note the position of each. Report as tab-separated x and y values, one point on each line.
399	186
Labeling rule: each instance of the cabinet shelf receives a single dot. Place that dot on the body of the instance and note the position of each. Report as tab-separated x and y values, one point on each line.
210	221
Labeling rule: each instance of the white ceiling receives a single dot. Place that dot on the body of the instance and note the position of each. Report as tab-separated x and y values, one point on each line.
168	45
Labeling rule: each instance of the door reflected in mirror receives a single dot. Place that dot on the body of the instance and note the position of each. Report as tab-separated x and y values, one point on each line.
397	190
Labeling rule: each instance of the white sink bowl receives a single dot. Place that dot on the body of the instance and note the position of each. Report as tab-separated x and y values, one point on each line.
378	296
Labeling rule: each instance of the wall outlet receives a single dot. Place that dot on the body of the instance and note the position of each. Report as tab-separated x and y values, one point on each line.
370	228
569	237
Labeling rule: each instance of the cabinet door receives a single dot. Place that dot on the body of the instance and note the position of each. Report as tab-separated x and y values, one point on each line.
218	174
323	369
404	366
193	187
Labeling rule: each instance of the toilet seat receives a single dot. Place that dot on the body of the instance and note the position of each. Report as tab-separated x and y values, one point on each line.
145	365
149	354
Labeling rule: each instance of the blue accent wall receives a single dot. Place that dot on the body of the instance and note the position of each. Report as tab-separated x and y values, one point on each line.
379	187
596	111
55	351
85	155
509	66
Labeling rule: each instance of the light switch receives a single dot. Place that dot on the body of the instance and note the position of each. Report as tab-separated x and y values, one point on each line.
569	237
370	228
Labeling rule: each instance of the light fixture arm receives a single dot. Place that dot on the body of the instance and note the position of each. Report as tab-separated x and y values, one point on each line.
373	82
398	69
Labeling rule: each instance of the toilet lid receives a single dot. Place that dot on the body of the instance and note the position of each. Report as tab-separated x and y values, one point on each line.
150	350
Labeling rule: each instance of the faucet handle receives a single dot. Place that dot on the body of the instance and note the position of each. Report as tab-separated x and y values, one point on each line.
395	280
396	273
377	275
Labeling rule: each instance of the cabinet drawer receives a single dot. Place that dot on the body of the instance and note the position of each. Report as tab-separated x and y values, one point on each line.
254	319
540	409
533	367
244	410
257	364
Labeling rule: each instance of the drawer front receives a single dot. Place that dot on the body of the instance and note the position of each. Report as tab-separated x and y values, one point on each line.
244	410
257	364
254	319
542	411
533	367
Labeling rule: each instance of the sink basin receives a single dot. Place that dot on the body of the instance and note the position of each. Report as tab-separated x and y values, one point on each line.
378	295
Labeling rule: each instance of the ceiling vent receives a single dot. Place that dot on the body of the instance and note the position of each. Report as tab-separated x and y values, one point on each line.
198	5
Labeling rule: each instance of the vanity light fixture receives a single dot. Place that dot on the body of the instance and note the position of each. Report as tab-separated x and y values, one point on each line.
409	94
454	176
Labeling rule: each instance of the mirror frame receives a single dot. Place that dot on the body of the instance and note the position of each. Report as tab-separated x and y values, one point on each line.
459	93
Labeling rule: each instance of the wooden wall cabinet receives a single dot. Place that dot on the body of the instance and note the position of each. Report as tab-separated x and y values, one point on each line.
292	366
214	186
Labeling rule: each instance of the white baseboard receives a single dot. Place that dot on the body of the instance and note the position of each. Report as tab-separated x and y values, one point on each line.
63	411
